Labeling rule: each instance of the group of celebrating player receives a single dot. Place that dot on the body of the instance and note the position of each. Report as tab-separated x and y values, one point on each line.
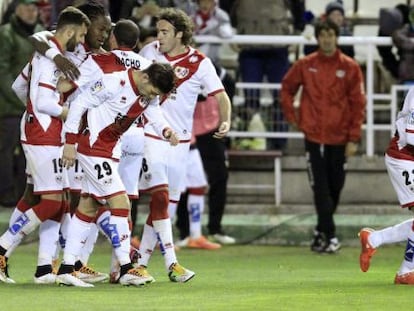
88	126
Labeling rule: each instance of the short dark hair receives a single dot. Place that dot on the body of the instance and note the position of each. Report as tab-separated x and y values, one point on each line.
181	22
326	25
93	10
72	16
126	33
161	76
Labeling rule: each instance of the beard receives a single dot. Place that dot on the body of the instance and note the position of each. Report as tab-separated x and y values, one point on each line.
71	45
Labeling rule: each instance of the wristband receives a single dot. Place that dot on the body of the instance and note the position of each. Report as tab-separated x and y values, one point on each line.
51	53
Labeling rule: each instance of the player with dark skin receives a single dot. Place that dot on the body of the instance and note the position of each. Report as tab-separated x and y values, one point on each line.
98	33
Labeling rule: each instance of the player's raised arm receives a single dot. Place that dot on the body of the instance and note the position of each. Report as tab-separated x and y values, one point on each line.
40	43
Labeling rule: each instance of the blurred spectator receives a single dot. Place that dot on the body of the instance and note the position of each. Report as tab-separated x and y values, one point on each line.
257	62
147	35
335	12
403	40
45	13
209	19
390	19
15	52
226	5
5	7
59	5
143	11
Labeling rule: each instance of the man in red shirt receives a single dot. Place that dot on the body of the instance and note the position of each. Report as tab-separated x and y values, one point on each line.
331	112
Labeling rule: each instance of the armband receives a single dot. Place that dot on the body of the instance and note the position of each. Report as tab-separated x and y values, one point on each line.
51	53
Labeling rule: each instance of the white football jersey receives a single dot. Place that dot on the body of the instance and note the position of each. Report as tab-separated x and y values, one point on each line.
115	103
402	145
193	71
41	124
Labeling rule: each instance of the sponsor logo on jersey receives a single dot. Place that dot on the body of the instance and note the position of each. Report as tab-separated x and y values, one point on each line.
97	86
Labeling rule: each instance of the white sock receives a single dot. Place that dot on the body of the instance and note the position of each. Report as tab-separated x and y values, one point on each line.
163	229
64	228
120	238
102	222
147	245
16	214
172	210
407	264
24	225
48	240
89	245
389	235
77	234
195	207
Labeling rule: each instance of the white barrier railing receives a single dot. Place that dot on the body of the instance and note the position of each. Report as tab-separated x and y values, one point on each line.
369	41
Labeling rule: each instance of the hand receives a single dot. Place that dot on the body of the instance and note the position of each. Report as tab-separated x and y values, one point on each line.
174	139
222	131
67	67
69	155
64	85
171	136
351	148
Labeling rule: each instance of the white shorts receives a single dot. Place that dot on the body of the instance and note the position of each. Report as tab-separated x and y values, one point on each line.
101	178
132	148
44	168
164	165
402	177
75	177
195	176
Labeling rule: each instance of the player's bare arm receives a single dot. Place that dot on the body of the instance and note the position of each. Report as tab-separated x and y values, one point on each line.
62	63
225	115
64	113
69	155
171	136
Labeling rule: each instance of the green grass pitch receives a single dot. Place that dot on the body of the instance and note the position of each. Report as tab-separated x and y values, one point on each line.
232	278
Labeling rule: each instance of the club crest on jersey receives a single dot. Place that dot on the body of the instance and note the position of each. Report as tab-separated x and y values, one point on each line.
340	73
181	72
97	86
411	118
55	76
